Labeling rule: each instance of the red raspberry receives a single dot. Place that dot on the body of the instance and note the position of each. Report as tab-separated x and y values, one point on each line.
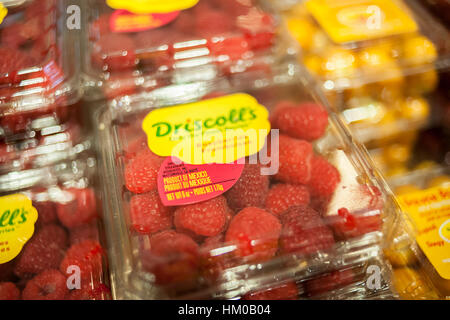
206	218
46	212
120	84
84	232
100	27
329	282
9	291
48	285
286	291
295	157
135	146
44	251
86	255
173	257
259	28
307	121
233	47
11	62
212	22
250	190
6	271
80	209
148	214
324	178
304	232
214	260
114	51
255	232
347	225
283	196
141	173
91	291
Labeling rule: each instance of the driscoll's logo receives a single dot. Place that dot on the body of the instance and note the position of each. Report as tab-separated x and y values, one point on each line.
220	130
233	118
15	217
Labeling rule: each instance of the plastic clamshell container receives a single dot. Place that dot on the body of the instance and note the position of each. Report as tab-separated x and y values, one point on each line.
39	73
62	248
415	276
340	243
213	38
377	60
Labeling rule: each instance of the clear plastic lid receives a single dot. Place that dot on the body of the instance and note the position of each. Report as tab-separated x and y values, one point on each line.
126	52
350	44
417	246
51	245
312	210
40	59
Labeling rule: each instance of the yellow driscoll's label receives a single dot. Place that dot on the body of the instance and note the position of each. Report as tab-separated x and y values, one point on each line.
151	6
430	212
220	130
3	12
17	219
359	20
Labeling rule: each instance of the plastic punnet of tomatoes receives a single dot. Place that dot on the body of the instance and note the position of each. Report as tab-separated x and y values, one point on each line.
39	66
378	61
129	43
220	189
50	239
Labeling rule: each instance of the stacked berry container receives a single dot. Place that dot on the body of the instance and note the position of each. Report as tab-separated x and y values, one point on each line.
297	213
418	246
378	61
50	241
130	44
40	118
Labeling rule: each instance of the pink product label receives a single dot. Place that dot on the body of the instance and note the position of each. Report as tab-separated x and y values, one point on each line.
125	21
180	183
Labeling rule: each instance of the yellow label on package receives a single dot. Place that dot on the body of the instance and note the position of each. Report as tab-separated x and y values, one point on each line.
358	20
17	219
3	12
219	130
430	212
151	6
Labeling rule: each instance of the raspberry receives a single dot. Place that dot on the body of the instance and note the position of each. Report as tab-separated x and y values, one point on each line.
114	51
255	232
234	47
84	232
329	282
286	291
148	215
324	178
283	196
213	261
120	84
46	212
250	190
134	147
48	285
173	257
207	218
86	255
91	291
141	173
307	121
44	251
100	27
213	22
295	158
6	271
347	225
80	209
13	61
9	291
304	232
